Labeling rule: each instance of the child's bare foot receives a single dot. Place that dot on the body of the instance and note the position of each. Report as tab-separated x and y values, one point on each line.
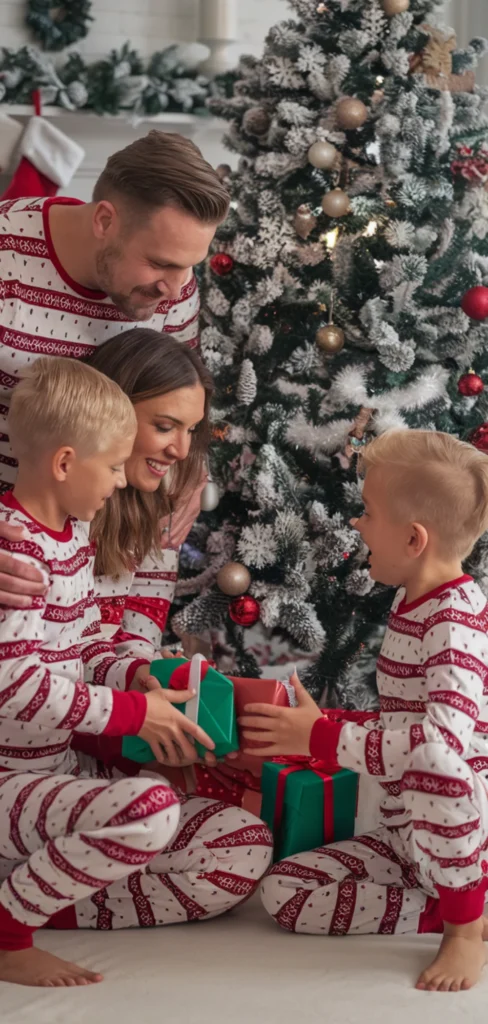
36	967
460	960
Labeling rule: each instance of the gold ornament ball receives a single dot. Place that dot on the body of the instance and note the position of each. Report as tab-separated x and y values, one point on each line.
392	7
233	579
322	155
330	339
335	203
351	113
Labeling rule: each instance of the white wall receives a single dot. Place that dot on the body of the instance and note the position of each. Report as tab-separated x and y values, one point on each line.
148	24
469	18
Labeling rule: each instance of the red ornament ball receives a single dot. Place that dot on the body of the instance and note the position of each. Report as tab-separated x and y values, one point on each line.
479	438
244	610
475	303
222	264
470	384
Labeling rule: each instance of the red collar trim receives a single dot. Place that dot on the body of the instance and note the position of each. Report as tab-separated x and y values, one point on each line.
87	293
451	585
63	535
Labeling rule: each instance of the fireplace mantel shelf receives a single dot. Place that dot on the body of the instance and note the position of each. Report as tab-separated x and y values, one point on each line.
26	110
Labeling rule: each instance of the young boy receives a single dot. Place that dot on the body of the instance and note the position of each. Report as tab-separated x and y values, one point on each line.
67	834
425	869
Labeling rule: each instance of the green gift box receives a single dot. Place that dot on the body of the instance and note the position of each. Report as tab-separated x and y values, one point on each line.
304	806
212	708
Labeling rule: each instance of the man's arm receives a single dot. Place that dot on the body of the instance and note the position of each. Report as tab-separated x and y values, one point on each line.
20	582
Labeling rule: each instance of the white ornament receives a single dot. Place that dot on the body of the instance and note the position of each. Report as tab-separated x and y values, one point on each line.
210	497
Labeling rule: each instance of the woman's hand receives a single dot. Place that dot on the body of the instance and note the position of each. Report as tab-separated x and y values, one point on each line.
19	581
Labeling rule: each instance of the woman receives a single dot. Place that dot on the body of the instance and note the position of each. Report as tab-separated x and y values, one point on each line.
220	852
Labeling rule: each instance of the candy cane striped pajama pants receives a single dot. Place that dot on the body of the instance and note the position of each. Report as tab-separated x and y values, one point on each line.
105	853
402	878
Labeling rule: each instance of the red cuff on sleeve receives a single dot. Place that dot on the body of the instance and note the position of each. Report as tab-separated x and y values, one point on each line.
128	714
131	671
13	934
324	740
458	906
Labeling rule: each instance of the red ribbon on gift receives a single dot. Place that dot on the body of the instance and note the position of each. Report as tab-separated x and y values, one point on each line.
297	763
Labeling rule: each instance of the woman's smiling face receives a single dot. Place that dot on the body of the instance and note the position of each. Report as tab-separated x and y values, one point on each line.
164	430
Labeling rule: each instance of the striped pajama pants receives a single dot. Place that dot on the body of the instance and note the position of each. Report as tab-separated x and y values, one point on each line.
403	879
102	853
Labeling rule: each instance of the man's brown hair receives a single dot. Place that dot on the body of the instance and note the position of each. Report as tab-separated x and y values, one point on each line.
162	169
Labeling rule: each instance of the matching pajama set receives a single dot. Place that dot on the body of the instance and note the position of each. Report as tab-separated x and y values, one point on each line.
83	844
428	860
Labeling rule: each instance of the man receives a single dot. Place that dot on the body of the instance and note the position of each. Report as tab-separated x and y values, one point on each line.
74	274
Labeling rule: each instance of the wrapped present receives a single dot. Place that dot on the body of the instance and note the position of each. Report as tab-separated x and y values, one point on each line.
305	806
212	708
259	691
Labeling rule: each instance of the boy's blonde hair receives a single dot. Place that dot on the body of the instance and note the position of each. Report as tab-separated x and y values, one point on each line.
436	480
64	402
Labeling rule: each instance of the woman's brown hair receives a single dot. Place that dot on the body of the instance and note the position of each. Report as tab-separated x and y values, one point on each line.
146	364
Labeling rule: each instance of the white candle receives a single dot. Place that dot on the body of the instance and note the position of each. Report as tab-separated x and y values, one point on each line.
218	19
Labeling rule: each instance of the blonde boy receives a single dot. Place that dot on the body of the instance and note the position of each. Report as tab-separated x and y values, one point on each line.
425	868
66	832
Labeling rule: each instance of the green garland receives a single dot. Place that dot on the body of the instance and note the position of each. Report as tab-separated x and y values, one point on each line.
167	82
58	24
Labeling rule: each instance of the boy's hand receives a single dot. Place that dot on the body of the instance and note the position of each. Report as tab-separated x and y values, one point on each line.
165	726
283	730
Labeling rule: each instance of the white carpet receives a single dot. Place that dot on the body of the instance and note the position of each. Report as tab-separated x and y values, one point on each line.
237	970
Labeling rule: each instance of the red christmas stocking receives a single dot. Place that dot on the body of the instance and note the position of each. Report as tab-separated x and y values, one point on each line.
48	160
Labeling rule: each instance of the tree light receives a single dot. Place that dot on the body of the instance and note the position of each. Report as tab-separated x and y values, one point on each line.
330	238
371	229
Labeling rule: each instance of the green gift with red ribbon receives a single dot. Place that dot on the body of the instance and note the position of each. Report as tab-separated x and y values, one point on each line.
212	708
305	806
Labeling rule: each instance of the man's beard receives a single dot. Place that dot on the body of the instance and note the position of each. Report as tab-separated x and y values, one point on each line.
126	304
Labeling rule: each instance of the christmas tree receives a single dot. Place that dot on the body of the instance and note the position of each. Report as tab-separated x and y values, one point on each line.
345	295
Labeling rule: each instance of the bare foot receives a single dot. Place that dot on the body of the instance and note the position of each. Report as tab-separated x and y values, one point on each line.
459	962
36	967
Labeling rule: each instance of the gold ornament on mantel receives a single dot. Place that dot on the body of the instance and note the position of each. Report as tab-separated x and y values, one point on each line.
392	7
304	221
435	63
233	579
351	112
336	203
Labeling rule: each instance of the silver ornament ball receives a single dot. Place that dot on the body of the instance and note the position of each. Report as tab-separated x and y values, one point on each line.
322	155
351	112
210	497
233	579
392	7
336	203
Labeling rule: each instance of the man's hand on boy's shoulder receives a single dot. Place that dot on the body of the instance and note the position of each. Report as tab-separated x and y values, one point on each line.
19	581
